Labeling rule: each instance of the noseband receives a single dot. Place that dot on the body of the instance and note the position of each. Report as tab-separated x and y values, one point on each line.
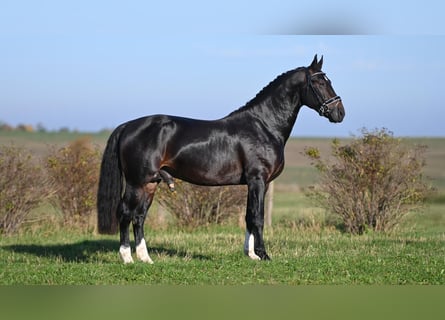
324	105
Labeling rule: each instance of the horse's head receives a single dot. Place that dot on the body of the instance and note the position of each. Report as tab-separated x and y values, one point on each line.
320	95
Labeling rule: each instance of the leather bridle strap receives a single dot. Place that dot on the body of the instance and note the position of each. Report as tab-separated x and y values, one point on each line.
324	106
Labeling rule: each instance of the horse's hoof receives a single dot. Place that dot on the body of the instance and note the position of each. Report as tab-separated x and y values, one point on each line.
262	255
265	257
125	254
253	256
142	253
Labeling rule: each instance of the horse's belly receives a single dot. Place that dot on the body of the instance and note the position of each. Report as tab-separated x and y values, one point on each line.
211	173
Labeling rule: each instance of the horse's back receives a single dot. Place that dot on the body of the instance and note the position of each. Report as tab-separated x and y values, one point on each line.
198	151
204	152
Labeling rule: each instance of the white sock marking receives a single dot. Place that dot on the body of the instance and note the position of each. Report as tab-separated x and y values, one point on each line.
125	254
142	253
249	246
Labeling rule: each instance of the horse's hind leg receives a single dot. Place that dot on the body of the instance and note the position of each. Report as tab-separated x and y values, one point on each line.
133	208
139	220
125	213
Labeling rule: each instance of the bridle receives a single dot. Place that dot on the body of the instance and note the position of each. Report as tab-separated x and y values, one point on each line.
324	109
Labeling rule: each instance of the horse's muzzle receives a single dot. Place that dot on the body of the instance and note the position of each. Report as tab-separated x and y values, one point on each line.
336	113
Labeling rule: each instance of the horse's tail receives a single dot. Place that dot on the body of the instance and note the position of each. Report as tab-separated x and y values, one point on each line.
110	185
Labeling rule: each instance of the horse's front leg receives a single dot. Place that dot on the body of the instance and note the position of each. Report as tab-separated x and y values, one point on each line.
254	243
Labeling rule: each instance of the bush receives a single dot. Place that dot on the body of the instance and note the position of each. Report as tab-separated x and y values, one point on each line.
194	206
23	186
74	170
373	183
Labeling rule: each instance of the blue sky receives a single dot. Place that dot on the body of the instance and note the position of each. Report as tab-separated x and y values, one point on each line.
89	65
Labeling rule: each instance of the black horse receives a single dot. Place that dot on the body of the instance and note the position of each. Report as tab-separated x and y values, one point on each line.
245	147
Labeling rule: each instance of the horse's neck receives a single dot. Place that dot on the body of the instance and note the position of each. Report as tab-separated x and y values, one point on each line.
280	118
277	114
276	107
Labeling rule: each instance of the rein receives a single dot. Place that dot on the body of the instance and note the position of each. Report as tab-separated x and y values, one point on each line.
324	106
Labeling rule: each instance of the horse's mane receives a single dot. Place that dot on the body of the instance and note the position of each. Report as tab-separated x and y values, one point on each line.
266	91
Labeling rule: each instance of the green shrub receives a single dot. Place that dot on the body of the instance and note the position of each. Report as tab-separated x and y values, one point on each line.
373	183
74	170
23	186
194	206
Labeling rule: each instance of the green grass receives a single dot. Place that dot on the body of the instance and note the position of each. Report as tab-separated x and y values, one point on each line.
303	249
214	256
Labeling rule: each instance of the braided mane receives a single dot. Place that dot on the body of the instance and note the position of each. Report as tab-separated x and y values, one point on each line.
266	91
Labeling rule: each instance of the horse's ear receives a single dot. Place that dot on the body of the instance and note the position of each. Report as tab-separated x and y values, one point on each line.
320	63
314	64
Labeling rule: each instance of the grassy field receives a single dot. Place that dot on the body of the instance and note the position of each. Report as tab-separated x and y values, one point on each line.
214	256
304	251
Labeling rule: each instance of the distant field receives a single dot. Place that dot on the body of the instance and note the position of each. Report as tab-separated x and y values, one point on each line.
39	141
297	171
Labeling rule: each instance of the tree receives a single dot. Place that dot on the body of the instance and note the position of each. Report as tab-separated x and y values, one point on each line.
23	187
74	170
194	206
374	181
